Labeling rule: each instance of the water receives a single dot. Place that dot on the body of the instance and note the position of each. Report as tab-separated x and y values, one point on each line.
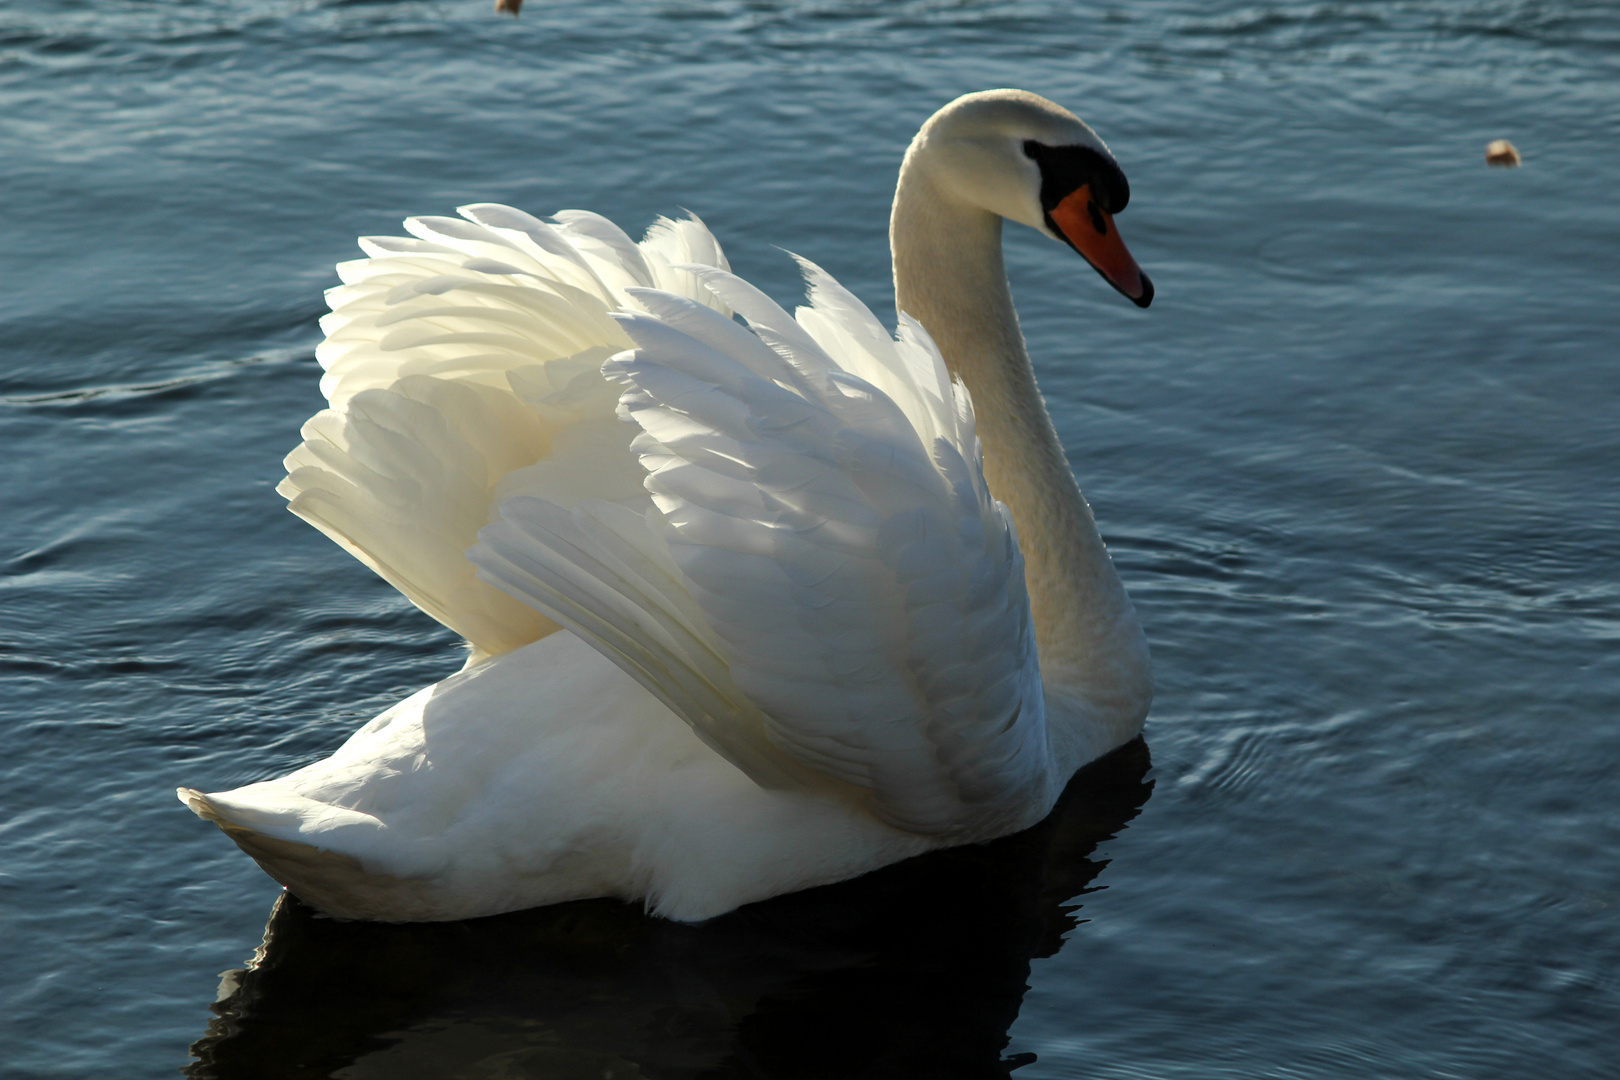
1356	465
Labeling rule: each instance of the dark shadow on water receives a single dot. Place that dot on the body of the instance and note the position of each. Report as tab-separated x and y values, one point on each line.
917	970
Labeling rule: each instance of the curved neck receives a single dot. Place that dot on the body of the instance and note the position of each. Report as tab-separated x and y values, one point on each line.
949	275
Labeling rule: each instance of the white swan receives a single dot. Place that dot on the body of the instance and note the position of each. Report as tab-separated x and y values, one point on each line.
747	609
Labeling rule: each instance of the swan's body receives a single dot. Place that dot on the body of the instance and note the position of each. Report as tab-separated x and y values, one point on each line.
748	613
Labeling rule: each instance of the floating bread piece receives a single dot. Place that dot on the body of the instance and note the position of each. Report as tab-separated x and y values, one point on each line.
1502	153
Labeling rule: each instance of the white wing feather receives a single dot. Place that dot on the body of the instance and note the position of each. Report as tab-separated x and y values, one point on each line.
462	367
823	578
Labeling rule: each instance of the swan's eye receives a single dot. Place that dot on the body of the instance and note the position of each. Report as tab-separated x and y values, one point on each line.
1064	169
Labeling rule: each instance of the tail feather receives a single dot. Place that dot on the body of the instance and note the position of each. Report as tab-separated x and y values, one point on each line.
331	881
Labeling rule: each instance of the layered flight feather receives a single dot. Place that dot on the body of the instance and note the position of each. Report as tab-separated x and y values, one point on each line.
463	365
820	583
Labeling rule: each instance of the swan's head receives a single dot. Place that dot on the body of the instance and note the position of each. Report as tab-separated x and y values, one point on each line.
1019	155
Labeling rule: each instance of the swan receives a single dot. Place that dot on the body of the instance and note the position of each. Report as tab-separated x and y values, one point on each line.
750	608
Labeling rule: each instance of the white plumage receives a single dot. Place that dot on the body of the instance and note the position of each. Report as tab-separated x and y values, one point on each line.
745	614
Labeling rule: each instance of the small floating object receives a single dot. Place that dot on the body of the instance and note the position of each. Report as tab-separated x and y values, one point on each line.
512	6
1502	154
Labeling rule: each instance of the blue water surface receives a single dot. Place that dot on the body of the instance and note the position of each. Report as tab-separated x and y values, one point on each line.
1357	465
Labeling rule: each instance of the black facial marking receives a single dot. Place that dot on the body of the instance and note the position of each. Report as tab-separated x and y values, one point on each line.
1097	221
1065	168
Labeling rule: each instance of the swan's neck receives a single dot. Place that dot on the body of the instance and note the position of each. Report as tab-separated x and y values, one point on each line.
949	275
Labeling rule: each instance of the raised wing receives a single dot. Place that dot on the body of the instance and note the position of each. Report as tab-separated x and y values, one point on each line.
822	546
463	366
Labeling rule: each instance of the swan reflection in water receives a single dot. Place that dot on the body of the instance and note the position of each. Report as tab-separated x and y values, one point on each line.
917	969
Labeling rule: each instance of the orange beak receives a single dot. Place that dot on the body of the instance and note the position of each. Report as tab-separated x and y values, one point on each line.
1090	230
